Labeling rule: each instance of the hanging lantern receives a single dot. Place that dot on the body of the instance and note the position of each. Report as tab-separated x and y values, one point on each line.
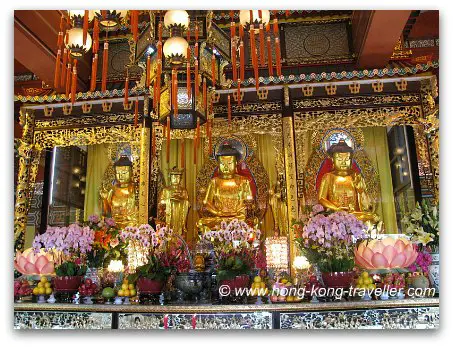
176	19
109	20
175	49
244	17
78	15
75	42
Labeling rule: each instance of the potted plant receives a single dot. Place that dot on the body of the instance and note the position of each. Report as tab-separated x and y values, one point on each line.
69	275
151	277
422	225
236	246
327	240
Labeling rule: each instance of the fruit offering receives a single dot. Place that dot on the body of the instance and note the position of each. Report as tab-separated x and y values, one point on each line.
127	289
108	292
365	281
88	288
259	287
22	288
284	291
44	287
394	280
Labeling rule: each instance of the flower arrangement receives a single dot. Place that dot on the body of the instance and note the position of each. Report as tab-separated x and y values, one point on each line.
106	244
422	263
155	269
328	239
65	243
422	225
236	248
176	257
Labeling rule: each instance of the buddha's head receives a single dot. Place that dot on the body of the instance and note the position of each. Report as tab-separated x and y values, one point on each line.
227	157
341	154
123	170
175	176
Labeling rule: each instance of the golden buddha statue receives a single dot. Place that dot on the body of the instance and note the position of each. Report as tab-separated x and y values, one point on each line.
119	202
174	200
229	195
343	189
277	201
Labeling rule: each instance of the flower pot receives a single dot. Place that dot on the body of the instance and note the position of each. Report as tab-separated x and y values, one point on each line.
241	281
338	279
148	286
434	271
67	284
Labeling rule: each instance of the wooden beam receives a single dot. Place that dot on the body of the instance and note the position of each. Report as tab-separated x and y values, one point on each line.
375	34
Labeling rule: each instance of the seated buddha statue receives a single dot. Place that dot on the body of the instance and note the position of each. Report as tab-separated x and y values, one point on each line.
119	202
229	195
343	189
174	201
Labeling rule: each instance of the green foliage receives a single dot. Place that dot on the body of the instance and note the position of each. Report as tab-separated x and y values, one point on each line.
70	268
232	266
154	270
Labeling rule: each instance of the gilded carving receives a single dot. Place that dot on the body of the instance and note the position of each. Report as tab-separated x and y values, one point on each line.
249	107
85	121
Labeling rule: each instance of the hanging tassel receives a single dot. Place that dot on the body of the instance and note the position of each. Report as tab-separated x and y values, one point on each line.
251	17
213	63
232	16
229	110
134	24
241	32
233	60
96	36
269	57
56	81
209	133
74	82
254	57
154	96
158	83
168	138
268	27
188	81
196	50
233	29
239	92
260	15
262	49
205	96
275	26
68	79
136	112
159	30
148	71
175	91
85	27
287	13
126	90
63	69
197	80
183	154
94	70
105	61
241	57
277	57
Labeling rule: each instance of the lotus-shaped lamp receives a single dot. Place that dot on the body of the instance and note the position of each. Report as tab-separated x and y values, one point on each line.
385	254
29	263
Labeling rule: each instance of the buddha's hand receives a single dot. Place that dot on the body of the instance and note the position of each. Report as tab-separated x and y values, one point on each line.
359	184
103	194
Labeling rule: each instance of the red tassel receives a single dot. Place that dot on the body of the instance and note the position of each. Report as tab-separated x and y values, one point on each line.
63	70
239	92
209	131
287	13
96	36
197	79
233	60
158	82
148	71
196	50
85	27
74	82
260	14
213	63
134	24
275	26
94	70
126	91
183	155
229	110
188	82
188	33
68	80
251	17
168	139
205	96
105	61
159	50
241	31
262	49
56	81
233	29
232	16
277	57
268	27
241	57
136	112
60	39
269	57
159	29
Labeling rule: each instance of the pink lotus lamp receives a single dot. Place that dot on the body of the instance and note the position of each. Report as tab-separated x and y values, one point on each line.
29	263
386	254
